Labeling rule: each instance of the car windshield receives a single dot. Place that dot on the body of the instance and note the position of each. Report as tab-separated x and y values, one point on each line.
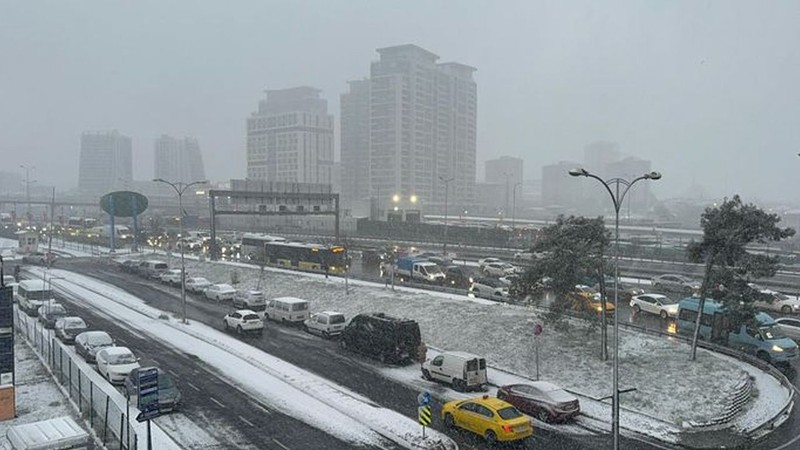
251	317
125	358
38	295
55	310
99	339
74	324
509	412
336	318
770	333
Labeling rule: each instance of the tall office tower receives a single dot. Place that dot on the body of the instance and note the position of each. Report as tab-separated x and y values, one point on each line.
178	160
558	187
423	128
290	137
354	139
105	161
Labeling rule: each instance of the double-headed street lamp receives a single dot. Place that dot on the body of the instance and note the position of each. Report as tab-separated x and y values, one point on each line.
617	198
180	188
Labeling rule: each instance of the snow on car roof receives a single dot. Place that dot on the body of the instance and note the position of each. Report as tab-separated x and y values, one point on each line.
290	300
117	351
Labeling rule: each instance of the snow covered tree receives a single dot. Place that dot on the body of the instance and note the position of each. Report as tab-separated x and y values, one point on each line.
727	231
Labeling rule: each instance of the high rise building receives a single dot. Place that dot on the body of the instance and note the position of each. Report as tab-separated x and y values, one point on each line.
290	137
504	169
178	160
422	130
638	200
598	155
105	161
559	188
354	141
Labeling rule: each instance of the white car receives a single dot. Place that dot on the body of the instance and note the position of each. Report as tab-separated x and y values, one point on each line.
197	284
243	321
780	302
220	292
499	269
489	288
657	304
171	276
325	324
115	363
789	326
484	261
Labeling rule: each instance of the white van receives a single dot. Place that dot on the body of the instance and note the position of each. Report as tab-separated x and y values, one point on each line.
153	268
287	309
464	371
31	294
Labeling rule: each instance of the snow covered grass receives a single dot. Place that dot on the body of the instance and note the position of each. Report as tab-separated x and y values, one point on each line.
669	387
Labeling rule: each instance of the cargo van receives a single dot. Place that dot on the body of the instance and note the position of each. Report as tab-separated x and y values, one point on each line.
287	309
464	371
153	268
31	294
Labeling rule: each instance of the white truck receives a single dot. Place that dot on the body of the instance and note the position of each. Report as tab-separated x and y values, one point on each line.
418	269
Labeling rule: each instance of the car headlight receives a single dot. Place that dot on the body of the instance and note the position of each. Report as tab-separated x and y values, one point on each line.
599	308
776	348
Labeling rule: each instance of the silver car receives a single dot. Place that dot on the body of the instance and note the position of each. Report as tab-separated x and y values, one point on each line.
790	327
675	283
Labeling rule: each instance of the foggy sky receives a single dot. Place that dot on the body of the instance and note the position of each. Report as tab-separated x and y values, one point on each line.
709	91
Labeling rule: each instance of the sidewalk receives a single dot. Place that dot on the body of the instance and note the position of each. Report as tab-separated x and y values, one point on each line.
38	396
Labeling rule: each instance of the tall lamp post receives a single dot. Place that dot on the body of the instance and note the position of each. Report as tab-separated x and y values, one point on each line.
446	182
617	197
180	188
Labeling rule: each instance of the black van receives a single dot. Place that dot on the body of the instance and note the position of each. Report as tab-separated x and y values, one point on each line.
388	339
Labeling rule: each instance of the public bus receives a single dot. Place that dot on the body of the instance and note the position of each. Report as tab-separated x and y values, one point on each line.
277	251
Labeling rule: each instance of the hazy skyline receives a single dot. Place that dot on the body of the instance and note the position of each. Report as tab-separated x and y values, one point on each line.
707	91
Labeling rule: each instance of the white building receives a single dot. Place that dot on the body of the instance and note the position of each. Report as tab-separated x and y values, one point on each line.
290	138
422	129
178	160
354	144
105	161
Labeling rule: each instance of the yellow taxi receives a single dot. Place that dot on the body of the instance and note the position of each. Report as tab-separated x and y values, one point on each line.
490	417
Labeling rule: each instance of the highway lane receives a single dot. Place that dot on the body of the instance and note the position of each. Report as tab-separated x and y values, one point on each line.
322	357
213	407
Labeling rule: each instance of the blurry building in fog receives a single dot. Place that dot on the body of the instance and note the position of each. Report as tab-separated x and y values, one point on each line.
560	190
354	145
12	183
638	199
105	161
178	160
420	119
504	169
290	137
598	155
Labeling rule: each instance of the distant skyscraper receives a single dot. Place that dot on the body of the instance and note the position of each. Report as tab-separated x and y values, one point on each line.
354	147
598	155
422	128
178	160
290	138
558	187
105	161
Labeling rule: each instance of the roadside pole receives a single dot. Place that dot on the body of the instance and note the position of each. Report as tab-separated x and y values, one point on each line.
537	330
424	410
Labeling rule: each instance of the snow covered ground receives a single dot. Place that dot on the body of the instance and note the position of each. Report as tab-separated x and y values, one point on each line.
657	367
315	400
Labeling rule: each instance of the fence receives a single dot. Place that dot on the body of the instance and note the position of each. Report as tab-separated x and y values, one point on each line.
101	406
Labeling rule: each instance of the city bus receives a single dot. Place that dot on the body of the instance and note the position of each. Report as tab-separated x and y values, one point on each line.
277	251
761	338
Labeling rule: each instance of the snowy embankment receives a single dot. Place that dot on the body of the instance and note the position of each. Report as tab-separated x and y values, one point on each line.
657	367
300	394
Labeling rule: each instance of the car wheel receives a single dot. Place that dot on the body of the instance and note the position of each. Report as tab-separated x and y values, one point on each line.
501	395
663	314
239	330
764	356
449	422
426	375
637	309
688	290
543	415
326	335
343	343
306	329
490	437
458	385
786	309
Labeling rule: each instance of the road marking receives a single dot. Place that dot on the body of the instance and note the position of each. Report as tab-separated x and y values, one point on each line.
264	410
193	386
282	446
173	373
216	401
246	421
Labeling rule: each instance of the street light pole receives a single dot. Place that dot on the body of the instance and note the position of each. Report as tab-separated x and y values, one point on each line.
446	182
514	204
180	188
617	198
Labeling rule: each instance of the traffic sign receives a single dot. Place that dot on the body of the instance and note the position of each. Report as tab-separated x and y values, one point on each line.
424	399
424	413
147	401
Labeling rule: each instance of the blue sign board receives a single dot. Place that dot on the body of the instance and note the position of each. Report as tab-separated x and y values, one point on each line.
147	401
424	399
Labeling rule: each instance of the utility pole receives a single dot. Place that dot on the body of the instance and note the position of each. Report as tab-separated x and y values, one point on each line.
28	182
446	182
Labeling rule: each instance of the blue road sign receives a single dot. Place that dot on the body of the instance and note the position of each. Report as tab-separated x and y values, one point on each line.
147	401
424	399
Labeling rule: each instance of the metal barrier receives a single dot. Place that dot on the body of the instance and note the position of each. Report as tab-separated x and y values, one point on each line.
90	394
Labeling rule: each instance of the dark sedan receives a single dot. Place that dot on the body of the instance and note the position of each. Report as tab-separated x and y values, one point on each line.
69	327
50	313
460	277
88	343
545	401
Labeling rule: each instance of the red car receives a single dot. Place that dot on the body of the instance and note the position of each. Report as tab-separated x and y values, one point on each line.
545	401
